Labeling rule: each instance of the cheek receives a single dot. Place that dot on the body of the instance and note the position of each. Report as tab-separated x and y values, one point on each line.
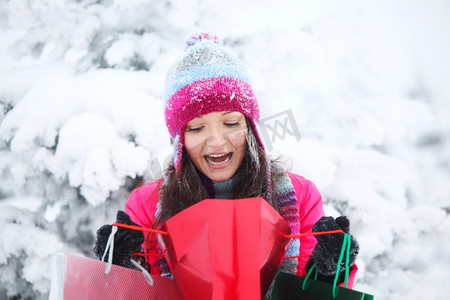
239	139
193	145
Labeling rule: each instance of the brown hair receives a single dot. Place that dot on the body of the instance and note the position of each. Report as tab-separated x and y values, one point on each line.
185	188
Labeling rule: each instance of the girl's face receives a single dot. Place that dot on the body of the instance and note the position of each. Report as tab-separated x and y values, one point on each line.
216	143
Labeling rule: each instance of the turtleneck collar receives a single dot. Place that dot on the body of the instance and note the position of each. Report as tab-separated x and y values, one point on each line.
220	189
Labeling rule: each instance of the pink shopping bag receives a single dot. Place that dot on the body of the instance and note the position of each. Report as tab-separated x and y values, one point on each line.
78	277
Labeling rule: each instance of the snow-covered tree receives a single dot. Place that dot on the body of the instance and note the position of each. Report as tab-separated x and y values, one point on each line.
81	121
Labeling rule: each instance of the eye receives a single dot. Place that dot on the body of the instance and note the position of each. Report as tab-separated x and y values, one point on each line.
194	129
232	124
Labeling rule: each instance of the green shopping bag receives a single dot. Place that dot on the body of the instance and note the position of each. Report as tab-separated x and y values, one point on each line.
288	286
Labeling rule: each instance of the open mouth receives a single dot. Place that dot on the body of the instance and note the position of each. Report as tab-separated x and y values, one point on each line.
218	159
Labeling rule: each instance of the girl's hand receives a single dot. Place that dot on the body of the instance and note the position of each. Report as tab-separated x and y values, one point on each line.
328	248
126	242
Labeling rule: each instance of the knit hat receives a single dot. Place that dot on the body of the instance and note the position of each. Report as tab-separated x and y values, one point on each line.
207	78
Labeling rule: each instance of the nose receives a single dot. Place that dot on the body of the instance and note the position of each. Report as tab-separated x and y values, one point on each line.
216	138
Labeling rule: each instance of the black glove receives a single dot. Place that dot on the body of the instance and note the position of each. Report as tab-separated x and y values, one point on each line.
328	248
126	242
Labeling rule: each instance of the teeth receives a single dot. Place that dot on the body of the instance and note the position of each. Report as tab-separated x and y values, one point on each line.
209	158
215	156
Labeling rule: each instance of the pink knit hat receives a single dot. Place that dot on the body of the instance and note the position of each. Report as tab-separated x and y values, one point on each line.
206	79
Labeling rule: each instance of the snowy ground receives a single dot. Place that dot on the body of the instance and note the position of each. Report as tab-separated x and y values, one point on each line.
365	83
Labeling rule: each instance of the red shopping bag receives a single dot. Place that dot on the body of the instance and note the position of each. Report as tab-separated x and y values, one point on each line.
225	249
78	278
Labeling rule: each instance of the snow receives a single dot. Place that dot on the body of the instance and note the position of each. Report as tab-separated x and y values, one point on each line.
81	121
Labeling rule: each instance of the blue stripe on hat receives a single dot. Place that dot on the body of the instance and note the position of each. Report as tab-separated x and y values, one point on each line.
204	72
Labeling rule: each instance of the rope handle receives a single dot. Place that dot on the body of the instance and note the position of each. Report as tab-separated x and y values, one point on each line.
344	250
313	233
305	281
109	247
288	236
134	227
139	228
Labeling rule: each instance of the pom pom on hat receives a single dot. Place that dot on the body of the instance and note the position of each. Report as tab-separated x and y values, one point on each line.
205	79
201	36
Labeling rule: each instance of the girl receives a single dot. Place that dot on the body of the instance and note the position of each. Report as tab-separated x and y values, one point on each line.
212	115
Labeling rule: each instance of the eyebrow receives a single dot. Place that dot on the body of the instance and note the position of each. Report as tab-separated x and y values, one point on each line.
228	112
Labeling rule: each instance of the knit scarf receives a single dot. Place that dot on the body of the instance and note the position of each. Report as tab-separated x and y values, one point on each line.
287	207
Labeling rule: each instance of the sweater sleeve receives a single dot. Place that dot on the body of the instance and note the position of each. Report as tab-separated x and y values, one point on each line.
141	204
141	207
310	210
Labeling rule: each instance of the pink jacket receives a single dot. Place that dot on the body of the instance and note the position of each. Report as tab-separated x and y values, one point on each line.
141	207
